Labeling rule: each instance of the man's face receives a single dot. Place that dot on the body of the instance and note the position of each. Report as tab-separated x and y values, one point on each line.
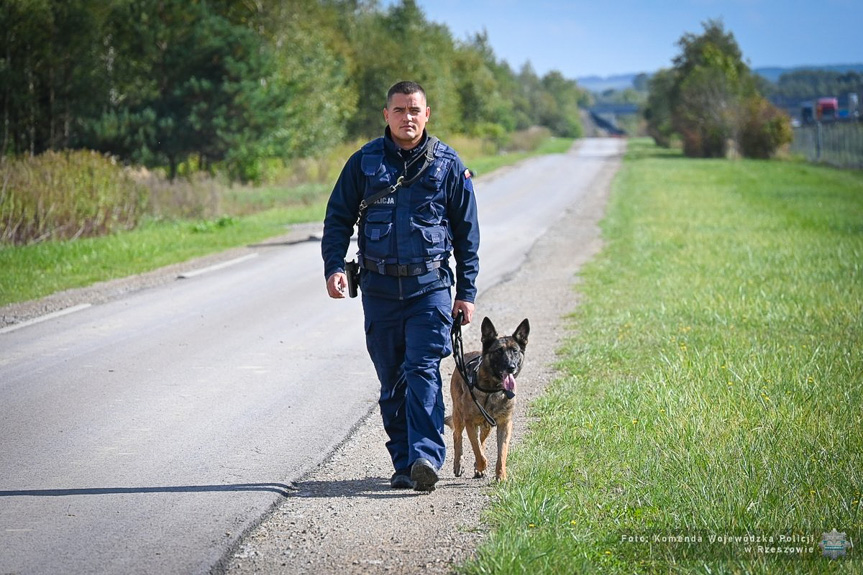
406	115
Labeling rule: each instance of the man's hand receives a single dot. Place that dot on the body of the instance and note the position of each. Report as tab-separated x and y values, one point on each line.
464	306
337	285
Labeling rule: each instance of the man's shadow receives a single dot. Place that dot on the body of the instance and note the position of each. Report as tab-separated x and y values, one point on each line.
278	488
370	487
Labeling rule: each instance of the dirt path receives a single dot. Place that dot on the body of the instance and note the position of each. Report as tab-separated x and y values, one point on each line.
344	517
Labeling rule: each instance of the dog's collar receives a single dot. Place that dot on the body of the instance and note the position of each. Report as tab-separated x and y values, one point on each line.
472	378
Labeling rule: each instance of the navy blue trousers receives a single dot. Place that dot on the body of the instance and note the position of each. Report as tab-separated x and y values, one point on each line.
406	341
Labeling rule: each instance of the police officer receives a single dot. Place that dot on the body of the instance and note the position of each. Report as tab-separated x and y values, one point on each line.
416	207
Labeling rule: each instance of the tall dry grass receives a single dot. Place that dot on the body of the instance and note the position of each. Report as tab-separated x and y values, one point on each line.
73	194
66	195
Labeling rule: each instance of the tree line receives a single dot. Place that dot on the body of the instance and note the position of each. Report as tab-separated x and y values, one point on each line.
794	88
230	84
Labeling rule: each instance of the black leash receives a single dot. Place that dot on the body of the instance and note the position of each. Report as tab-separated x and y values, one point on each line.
469	371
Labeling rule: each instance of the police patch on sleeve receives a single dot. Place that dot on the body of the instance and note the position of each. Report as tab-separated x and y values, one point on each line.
467	174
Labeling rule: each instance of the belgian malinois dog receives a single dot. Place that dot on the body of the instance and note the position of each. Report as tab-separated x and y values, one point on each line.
492	391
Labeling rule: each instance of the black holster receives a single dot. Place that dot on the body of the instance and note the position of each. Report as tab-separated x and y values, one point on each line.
352	270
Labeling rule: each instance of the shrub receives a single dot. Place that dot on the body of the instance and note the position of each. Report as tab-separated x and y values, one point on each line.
764	129
66	195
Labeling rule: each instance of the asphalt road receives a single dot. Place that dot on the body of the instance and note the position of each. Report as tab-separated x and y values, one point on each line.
144	435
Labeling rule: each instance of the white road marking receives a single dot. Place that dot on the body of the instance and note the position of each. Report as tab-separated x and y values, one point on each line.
193	273
45	317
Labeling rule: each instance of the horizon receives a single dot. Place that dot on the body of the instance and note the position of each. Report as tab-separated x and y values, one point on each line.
753	68
640	36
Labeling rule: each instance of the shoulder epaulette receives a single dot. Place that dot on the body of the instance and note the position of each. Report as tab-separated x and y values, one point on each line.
372	156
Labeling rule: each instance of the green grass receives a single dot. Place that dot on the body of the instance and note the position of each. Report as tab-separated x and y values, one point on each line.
711	385
37	270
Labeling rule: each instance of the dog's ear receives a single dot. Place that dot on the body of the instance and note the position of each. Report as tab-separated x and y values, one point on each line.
489	333
521	332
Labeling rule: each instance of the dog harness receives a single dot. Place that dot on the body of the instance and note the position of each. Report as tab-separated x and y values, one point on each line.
470	371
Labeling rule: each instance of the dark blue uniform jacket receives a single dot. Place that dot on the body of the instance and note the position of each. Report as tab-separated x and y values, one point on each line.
429	221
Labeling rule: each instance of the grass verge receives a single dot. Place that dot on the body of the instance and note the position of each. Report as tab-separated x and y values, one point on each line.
37	270
709	416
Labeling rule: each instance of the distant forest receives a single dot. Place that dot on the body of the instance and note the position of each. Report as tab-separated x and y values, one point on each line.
227	84
787	88
798	86
773	73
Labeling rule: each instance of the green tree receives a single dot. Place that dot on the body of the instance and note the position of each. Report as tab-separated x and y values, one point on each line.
377	60
23	25
658	110
528	97
562	115
312	70
712	82
50	72
401	44
510	85
485	111
197	85
709	99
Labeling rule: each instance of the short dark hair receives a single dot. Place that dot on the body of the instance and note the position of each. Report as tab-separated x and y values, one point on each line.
406	88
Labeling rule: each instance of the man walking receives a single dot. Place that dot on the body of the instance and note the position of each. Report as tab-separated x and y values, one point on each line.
416	207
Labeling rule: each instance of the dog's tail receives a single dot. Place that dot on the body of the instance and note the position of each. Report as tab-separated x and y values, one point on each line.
448	421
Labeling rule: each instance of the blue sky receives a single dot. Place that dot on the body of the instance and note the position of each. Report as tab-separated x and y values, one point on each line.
607	37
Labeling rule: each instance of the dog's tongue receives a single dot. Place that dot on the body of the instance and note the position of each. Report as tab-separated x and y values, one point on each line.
509	383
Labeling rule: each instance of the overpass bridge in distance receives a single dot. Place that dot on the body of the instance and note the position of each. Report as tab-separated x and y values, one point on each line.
604	116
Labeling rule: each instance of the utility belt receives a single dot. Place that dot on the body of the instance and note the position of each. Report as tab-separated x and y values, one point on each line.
397	270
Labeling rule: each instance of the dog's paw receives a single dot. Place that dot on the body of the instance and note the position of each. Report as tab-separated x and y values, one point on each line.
479	475
458	472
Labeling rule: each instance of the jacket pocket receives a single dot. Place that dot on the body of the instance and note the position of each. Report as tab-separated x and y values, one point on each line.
432	240
377	231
